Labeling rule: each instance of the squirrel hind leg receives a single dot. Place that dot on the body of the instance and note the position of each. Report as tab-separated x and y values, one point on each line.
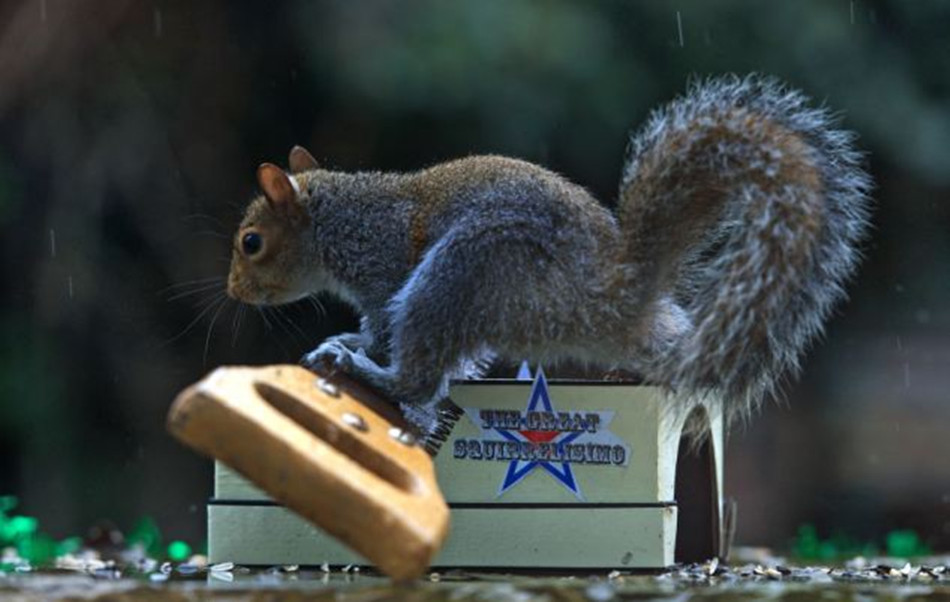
474	291
670	324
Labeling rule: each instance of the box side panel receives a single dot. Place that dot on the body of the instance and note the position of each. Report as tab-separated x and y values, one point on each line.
602	442
270	535
718	446
580	538
229	485
671	431
632	423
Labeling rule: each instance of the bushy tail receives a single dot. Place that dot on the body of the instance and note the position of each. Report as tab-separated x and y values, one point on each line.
745	206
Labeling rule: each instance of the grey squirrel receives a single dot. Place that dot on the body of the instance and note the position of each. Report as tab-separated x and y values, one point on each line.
739	212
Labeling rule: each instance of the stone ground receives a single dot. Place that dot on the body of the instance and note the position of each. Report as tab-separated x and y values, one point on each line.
858	580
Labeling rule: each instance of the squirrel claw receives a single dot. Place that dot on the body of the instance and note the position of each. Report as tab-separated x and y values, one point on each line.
336	357
329	355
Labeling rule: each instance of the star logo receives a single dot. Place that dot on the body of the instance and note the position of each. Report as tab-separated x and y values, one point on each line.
519	469
544	438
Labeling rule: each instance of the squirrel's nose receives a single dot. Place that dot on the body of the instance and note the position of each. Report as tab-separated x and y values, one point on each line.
233	289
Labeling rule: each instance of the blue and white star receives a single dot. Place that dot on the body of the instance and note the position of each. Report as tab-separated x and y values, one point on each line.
562	472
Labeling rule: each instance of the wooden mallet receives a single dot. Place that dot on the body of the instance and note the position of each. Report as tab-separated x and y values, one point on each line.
327	449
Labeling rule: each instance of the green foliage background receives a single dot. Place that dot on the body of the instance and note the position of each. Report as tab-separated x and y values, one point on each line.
129	134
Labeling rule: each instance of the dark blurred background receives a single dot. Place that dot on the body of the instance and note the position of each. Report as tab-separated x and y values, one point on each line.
129	136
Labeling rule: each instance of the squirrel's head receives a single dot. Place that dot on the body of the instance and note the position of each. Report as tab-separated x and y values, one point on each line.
270	256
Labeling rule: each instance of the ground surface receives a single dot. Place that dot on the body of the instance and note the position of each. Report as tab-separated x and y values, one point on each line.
858	581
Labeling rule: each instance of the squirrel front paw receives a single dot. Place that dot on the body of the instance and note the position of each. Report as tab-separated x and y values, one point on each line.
353	341
332	354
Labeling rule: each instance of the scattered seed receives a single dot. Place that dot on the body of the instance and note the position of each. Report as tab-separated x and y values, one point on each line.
600	591
199	560
187	569
226	576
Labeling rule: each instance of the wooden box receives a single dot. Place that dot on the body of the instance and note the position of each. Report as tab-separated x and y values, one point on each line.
538	475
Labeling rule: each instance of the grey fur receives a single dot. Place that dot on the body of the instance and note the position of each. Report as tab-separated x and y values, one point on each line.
508	272
746	279
523	264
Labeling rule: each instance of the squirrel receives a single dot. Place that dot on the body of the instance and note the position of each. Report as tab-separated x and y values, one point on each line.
737	223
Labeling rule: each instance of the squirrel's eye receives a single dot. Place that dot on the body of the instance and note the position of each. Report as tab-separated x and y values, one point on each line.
251	243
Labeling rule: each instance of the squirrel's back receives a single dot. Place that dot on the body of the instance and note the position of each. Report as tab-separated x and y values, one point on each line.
496	192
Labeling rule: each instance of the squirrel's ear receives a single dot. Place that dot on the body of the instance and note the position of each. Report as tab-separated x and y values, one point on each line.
301	160
279	188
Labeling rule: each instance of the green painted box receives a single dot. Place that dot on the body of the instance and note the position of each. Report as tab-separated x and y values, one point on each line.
538	475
